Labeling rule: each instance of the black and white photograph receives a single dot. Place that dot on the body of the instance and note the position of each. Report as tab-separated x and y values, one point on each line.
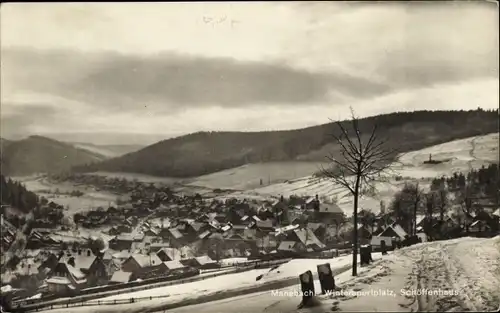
253	156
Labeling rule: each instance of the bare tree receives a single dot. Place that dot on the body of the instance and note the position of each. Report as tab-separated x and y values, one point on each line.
442	202
465	200
362	162
414	196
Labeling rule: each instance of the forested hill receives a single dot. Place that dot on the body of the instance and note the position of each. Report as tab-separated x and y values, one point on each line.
15	194
207	152
37	154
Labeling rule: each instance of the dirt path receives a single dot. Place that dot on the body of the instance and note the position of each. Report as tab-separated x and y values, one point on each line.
471	153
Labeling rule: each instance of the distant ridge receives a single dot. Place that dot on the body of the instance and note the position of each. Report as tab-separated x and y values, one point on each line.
207	152
38	154
109	151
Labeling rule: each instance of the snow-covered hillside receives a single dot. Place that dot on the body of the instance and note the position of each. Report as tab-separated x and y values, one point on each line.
459	155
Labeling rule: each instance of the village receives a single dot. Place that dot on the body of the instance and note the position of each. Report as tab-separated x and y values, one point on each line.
160	235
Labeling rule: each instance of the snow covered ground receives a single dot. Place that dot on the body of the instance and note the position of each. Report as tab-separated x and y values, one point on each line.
221	284
455	275
444	276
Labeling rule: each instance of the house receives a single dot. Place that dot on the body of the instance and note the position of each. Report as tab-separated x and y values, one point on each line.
328	213
394	231
120	277
157	246
201	262
262	226
140	263
169	266
173	236
93	267
195	228
65	279
283	231
497	213
169	254
49	263
306	237
152	232
312	203
319	229
139	237
479	226
267	213
289	247
122	242
235	214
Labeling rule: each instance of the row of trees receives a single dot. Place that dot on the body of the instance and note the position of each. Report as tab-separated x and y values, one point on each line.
15	194
457	193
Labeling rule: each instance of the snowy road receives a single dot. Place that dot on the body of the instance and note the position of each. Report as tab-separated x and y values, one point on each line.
256	302
467	267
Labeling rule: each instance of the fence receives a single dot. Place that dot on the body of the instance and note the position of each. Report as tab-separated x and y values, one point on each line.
89	303
85	300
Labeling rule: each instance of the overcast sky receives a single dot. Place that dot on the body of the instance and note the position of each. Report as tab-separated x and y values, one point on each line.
174	68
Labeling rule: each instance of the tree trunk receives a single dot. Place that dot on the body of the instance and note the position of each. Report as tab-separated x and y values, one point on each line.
355	234
414	224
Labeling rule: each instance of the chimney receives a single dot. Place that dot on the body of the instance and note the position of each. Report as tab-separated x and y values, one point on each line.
79	252
71	261
88	252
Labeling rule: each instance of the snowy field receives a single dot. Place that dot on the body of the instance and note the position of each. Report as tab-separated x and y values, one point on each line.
249	176
90	199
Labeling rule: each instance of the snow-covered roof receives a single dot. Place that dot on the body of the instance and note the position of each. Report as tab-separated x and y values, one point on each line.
186	252
204	234
124	254
59	280
77	274
497	212
256	218
398	230
286	245
172	253
6	288
204	259
226	228
146	260
307	237
310	200
330	208
285	229
175	232
172	265
121	277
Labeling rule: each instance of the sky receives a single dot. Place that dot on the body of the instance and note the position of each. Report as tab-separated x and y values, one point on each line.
125	72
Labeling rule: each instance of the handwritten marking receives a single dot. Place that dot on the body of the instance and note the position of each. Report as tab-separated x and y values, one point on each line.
219	20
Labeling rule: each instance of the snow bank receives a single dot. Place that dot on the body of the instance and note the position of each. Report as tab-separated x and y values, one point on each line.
231	261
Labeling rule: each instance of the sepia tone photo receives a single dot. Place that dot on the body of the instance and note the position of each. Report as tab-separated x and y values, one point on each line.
237	157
